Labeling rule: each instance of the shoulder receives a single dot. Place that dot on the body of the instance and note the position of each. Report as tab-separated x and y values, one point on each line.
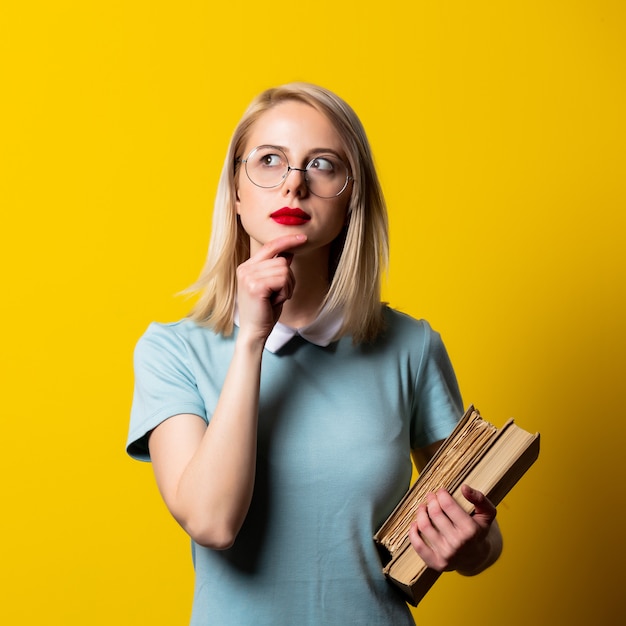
401	326
407	335
399	319
173	334
175	340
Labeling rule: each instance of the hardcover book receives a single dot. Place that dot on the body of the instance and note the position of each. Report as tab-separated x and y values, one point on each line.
477	453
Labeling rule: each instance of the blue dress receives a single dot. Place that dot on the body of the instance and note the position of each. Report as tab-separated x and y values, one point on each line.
336	428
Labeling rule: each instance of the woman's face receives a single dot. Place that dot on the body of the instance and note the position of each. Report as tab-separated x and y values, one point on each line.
301	133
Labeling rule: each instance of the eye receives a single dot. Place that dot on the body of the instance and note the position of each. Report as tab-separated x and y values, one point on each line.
323	165
269	158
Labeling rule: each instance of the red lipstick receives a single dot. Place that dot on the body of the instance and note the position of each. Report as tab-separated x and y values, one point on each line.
290	217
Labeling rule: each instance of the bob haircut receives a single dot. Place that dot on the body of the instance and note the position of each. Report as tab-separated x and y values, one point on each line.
359	255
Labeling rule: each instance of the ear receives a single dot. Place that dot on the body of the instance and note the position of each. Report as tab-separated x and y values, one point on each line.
237	201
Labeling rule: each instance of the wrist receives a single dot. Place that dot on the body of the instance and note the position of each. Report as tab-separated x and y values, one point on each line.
481	561
488	553
251	344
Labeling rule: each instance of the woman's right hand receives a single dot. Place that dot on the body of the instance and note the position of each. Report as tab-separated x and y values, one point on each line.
264	283
206	473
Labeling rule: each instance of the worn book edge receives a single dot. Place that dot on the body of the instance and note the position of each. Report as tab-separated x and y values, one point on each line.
404	567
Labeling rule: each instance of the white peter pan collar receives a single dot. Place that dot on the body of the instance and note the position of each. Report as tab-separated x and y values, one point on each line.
321	331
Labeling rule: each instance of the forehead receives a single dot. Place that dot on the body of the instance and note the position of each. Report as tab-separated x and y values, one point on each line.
296	126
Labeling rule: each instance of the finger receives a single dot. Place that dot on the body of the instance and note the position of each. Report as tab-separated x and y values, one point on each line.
266	279
437	511
418	541
277	247
459	518
426	527
443	502
288	256
282	292
254	269
485	511
423	547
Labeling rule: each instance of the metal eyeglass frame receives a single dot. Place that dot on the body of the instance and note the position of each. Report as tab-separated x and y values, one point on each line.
290	169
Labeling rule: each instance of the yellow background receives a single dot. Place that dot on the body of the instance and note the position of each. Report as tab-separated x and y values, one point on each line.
499	132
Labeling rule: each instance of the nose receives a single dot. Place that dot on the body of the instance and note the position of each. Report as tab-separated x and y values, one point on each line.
295	183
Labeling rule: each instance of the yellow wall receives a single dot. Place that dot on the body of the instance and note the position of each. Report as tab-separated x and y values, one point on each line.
499	131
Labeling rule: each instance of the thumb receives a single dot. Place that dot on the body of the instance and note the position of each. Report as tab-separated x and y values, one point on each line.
484	510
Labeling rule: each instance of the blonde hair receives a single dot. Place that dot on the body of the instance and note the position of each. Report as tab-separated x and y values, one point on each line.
360	253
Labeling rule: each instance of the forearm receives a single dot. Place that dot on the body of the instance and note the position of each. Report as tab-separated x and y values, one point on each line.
212	493
206	473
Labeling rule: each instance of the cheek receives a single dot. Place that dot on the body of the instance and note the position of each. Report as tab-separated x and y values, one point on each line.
250	206
244	197
339	221
343	210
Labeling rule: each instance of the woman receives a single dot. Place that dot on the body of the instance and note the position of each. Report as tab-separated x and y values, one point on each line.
280	416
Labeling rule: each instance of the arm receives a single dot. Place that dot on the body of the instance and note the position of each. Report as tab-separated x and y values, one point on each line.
206	473
446	537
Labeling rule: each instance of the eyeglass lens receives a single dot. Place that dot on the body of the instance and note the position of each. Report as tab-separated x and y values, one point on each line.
326	174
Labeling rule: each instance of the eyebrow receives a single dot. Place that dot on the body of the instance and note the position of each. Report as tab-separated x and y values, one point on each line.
310	153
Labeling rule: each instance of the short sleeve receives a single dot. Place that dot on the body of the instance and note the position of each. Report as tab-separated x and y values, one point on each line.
437	401
165	386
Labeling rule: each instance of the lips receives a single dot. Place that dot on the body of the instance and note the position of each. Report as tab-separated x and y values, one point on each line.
290	217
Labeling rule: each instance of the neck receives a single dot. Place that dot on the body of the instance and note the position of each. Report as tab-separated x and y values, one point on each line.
311	274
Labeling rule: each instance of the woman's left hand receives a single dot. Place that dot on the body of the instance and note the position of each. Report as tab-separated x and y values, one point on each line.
447	538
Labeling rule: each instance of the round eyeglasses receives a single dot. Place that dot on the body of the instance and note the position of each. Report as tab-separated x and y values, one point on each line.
326	175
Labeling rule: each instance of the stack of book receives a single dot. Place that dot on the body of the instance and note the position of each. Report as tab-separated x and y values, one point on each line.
476	453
